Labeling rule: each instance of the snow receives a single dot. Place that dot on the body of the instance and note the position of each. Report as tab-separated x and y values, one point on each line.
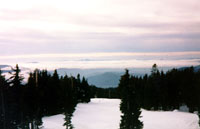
53	122
169	120
98	114
105	114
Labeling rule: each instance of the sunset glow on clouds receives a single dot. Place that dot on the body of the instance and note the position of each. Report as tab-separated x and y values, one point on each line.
33	27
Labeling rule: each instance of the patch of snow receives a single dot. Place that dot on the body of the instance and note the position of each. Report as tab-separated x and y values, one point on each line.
105	114
169	120
53	122
98	114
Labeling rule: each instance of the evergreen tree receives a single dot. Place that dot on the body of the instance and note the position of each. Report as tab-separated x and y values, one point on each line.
3	85
154	69
16	78
15	98
129	106
44	94
85	90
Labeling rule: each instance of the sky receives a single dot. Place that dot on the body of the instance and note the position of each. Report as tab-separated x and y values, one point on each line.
51	31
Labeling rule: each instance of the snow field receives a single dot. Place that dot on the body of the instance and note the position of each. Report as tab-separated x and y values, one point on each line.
53	122
98	114
169	120
105	114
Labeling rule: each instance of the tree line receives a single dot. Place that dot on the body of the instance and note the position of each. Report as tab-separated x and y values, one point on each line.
24	105
157	91
44	94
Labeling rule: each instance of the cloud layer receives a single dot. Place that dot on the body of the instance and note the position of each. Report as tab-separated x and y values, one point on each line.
104	60
62	26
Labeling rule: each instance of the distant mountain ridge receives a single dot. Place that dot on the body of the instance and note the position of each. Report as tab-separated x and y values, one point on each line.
3	66
105	80
108	79
196	68
102	77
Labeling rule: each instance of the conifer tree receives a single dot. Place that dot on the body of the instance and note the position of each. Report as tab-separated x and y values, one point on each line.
16	78
3	84
129	105
85	90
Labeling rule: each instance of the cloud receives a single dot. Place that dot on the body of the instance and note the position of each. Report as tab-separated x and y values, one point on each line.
32	42
99	26
104	60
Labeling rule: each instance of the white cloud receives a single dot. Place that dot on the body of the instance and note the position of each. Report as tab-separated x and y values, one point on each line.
104	60
53	26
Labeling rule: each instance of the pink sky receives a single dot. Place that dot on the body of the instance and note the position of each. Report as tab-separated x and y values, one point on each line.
35	27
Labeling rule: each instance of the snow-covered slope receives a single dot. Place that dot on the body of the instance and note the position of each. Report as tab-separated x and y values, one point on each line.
98	114
105	114
53	122
169	120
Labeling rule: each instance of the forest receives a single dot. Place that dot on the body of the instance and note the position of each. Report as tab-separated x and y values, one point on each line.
22	105
158	91
45	94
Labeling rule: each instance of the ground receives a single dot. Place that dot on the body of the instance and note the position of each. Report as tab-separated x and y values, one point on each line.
105	114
